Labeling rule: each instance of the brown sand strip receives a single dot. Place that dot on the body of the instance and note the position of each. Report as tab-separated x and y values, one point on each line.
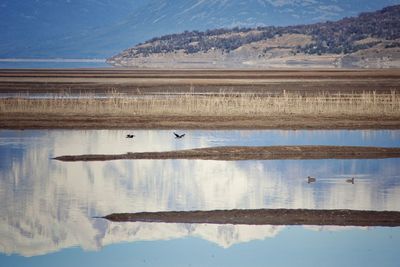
267	216
204	80
286	122
252	153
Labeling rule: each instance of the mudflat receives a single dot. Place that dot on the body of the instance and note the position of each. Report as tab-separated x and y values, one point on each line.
267	216
251	153
201	99
157	81
286	122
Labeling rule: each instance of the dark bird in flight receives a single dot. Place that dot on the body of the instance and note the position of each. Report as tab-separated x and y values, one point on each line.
130	135
351	181
179	135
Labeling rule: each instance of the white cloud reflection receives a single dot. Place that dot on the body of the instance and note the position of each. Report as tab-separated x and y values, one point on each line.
48	205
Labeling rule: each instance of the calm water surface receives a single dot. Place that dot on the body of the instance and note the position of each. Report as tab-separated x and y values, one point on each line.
46	206
51	64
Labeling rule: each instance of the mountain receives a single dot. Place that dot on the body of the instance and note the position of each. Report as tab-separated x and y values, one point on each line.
371	39
35	28
102	28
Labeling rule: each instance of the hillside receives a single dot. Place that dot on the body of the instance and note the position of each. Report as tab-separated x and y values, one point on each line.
102	28
370	40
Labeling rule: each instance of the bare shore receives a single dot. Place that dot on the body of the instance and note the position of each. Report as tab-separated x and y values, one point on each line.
267	217
251	153
155	81
202	99
285	122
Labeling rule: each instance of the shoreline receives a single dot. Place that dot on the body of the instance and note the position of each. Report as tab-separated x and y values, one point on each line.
21	121
153	81
204	99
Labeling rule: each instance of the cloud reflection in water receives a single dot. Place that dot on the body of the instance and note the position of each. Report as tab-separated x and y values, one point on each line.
48	205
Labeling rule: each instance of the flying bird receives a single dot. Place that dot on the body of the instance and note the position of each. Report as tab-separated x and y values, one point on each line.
179	135
351	181
130	135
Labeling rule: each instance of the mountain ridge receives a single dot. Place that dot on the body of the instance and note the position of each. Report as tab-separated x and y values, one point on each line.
372	39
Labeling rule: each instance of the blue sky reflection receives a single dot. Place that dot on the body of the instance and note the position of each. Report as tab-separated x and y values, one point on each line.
46	206
294	246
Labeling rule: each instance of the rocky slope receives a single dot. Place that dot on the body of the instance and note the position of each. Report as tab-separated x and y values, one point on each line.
370	40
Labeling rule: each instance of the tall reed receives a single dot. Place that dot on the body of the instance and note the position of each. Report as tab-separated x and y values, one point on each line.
223	104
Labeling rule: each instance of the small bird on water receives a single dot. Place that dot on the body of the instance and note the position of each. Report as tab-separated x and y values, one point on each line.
311	179
130	135
351	181
179	135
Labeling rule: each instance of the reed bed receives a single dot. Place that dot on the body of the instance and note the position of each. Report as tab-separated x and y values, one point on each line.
223	104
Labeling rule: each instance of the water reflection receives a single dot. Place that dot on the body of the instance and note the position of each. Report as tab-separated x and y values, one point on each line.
222	235
52	63
293	246
47	205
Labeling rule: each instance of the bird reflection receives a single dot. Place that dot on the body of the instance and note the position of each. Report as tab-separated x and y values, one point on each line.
311	179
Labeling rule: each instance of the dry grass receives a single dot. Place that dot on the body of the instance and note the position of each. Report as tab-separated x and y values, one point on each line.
222	104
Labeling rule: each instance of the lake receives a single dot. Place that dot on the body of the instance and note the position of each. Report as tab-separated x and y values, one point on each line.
47	207
56	63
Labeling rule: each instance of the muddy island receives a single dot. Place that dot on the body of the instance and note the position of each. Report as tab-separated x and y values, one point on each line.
251	153
267	216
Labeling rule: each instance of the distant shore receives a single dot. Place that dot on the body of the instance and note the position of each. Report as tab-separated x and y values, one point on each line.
199	99
156	81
